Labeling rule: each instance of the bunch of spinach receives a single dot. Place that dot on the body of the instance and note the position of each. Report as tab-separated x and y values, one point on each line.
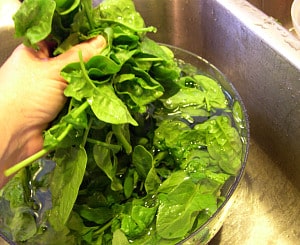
141	150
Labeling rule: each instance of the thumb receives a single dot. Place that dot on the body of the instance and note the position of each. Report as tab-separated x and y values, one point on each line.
88	48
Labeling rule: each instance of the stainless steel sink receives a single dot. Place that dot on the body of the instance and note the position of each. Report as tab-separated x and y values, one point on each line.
251	43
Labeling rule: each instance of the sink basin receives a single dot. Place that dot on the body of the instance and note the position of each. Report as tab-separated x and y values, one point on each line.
250	42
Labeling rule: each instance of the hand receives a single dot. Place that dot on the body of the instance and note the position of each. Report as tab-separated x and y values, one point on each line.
31	96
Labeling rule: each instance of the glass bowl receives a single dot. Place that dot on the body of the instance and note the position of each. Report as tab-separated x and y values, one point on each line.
295	14
204	233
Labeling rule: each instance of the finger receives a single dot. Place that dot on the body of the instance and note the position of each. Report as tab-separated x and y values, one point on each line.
29	53
88	49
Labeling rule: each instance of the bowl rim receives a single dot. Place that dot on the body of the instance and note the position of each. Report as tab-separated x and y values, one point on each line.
295	15
246	145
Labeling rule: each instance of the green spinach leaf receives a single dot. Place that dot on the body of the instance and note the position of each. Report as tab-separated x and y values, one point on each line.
33	20
108	107
107	162
142	160
66	180
179	209
223	143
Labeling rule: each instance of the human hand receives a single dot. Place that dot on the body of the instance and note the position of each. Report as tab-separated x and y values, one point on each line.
31	96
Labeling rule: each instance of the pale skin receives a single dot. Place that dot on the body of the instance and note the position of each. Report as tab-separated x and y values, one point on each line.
31	96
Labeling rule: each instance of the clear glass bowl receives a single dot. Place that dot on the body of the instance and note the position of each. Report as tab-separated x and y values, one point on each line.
207	231
295	14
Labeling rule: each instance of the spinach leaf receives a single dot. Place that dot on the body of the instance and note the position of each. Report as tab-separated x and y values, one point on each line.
100	66
130	182
151	47
107	162
142	160
99	215
121	55
66	180
78	86
184	140
77	120
214	96
6	215
179	209
238	117
108	107
223	143
152	181
24	224
165	138
196	160
122	11
137	88
105	104
175	179
15	205
137	218
83	20
59	134
119	238
15	190
185	97
88	234
66	6
33	20
164	67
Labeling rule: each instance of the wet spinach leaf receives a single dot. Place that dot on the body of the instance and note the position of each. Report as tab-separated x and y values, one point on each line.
180	207
67	178
33	21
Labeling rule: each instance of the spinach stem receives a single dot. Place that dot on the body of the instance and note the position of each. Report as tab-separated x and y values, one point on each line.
85	74
45	150
103	228
117	129
113	147
27	161
86	132
81	108
64	133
